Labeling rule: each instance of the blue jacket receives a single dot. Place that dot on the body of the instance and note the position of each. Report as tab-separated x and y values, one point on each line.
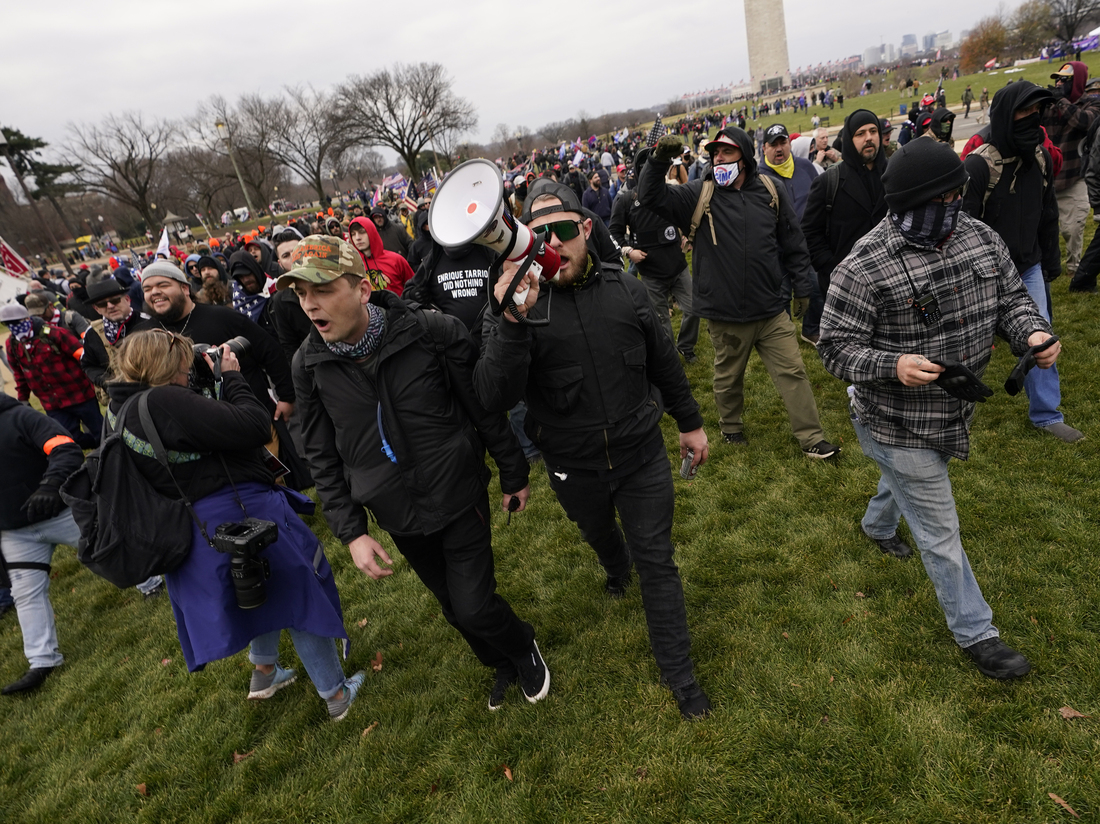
798	184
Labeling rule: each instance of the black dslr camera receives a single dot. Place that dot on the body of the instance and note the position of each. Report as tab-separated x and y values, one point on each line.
201	374
244	540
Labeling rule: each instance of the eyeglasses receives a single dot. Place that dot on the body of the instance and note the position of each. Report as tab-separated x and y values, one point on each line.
564	229
952	195
103	304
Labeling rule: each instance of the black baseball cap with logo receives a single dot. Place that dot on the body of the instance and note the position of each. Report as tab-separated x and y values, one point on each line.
775	132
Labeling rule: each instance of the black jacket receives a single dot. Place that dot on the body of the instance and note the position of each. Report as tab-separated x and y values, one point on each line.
233	429
33	449
594	379
454	281
96	362
1021	209
432	420
291	322
394	236
634	225
740	279
860	205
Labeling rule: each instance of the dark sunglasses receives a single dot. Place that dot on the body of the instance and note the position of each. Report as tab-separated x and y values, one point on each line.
103	304
564	229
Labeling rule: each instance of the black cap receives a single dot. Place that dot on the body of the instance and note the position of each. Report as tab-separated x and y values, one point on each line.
546	186
776	131
919	171
106	288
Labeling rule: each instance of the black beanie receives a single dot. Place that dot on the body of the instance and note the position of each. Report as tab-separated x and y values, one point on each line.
919	171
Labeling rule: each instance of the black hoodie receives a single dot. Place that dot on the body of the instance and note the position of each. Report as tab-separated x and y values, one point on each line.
739	278
859	204
1021	209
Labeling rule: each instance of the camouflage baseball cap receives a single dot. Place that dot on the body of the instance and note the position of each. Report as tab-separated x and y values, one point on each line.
322	259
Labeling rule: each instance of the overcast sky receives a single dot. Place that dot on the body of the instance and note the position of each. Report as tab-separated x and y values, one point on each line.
68	61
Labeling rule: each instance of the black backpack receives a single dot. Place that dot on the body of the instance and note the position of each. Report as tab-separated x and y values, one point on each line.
128	530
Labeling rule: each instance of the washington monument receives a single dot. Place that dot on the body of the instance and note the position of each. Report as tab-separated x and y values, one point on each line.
767	35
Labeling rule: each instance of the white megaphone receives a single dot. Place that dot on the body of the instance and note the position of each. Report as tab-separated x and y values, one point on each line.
469	207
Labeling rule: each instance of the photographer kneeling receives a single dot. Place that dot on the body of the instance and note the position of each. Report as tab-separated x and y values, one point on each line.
216	457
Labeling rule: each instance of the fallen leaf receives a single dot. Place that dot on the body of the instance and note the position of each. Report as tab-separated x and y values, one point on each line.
238	757
860	595
793	684
362	623
165	661
832	584
376	664
433	789
141	788
1068	808
373	724
507	771
785	635
124	660
909	593
1033	620
157	731
830	679
824	719
846	620
74	589
400	644
1070	712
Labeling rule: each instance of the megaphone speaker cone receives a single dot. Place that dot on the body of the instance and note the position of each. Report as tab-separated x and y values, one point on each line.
467	202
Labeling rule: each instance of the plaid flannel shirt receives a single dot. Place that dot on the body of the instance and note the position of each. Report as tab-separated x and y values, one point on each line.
49	366
870	320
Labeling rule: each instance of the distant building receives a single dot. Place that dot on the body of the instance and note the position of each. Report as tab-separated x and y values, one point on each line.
928	42
909	47
943	40
872	56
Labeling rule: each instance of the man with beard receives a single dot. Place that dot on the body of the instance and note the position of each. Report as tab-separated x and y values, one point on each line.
747	240
597	381
168	301
250	291
1021	208
910	320
215	284
118	317
848	200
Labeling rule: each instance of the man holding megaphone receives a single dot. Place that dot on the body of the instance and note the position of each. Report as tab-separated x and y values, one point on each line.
597	372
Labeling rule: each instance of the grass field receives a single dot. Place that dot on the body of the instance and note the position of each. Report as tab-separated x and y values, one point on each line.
839	694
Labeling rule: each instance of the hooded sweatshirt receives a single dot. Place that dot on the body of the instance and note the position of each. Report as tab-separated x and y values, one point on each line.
254	307
377	258
1020	209
1068	121
395	238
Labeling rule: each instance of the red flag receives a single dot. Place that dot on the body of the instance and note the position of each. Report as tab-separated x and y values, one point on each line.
10	260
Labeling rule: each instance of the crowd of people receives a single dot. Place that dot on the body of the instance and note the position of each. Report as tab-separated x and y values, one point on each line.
378	367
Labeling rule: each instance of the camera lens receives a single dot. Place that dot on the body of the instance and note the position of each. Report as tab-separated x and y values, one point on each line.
249	576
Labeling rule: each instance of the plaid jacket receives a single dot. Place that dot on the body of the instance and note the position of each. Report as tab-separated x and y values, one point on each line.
1067	124
870	321
49	366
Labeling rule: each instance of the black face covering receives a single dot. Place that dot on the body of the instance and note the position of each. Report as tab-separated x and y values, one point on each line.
521	190
1027	133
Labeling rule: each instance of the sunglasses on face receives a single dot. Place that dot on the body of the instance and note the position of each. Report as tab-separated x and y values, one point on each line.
564	229
103	304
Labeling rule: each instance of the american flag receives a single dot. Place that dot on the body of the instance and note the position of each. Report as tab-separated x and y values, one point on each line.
393	181
428	183
655	133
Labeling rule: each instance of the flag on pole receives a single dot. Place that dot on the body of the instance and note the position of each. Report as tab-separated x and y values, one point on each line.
137	267
655	133
162	247
11	262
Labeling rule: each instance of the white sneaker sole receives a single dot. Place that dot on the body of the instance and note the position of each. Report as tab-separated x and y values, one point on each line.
260	695
534	699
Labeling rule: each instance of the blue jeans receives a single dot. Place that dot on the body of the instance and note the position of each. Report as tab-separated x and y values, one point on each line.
644	501
6	601
30	588
516	417
318	655
1044	392
914	484
71	417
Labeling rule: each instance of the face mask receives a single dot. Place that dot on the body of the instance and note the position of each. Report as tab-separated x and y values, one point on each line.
929	224
1026	132
726	173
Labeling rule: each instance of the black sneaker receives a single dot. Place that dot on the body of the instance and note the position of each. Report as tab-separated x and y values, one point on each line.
616	585
893	546
693	701
737	438
506	676
996	659
689	357
534	675
822	449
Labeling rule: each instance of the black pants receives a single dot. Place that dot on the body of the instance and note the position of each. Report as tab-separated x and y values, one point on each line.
644	501
1087	269
456	564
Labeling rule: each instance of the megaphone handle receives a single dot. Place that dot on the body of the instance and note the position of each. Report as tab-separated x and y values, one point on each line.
524	267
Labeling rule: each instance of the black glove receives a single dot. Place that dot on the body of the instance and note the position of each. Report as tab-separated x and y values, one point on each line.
959	382
1058	90
1024	365
801	307
668	148
44	503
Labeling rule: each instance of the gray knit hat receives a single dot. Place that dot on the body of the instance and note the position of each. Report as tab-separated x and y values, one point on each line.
164	269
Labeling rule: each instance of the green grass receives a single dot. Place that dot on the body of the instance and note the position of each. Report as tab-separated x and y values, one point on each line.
839	694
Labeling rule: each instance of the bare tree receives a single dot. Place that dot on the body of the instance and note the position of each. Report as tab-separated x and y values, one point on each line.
307	137
251	127
404	108
1071	15
200	180
362	165
1031	27
123	158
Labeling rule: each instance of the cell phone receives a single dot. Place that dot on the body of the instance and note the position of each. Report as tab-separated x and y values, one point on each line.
687	471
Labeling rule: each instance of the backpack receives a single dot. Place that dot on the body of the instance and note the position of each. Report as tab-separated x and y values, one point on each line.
988	152
833	177
128	530
702	206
